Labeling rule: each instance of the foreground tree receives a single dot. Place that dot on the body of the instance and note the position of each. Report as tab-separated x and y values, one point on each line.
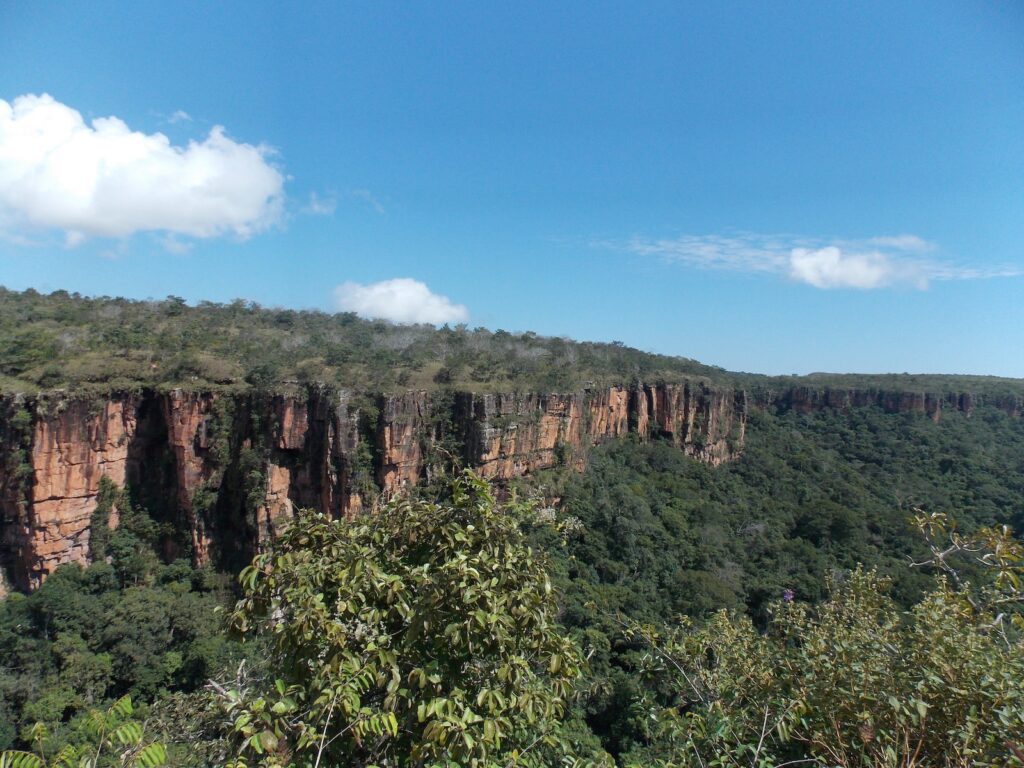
854	681
422	634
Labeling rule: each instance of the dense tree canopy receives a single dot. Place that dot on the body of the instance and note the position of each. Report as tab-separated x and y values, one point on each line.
814	495
132	626
422	634
853	682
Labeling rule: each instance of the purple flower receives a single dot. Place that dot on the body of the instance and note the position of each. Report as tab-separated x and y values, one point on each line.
788	595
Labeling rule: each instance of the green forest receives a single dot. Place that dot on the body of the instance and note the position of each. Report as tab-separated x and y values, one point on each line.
845	593
66	340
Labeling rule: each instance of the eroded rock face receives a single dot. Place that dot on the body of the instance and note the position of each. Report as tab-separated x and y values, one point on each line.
318	450
277	507
809	400
402	426
313	441
707	424
187	419
608	413
71	451
509	435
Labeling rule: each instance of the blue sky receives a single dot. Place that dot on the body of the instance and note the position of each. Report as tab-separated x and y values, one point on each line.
772	187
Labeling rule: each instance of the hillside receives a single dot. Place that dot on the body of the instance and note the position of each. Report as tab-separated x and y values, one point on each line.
149	449
223	420
66	341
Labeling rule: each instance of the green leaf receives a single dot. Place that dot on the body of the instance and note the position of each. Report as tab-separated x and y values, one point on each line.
128	733
268	740
122	707
152	756
18	759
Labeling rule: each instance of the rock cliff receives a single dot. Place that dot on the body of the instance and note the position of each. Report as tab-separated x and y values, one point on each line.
225	469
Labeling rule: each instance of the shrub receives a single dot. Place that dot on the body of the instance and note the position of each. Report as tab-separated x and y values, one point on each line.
854	682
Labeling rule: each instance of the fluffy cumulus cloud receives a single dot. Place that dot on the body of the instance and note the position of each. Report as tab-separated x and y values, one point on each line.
876	262
401	300
829	267
102	179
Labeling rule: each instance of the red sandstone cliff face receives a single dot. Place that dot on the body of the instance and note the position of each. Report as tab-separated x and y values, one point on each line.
186	415
402	425
276	507
313	441
283	479
808	400
512	434
608	412
317	450
707	424
71	450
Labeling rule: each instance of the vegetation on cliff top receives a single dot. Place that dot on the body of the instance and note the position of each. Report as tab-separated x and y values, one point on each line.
68	341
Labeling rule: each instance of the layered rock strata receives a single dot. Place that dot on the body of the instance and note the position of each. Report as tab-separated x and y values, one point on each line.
226	469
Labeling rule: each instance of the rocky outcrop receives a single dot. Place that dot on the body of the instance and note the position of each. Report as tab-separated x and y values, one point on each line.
187	418
509	435
71	450
401	431
221	469
706	423
227	470
608	413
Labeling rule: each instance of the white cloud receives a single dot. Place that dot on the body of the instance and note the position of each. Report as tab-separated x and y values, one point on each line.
829	267
876	262
742	253
401	300
180	116
104	180
175	245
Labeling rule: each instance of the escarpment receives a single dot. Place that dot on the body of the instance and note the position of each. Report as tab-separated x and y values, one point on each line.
224	470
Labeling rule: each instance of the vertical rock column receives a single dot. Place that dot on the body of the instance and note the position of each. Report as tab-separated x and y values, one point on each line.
71	450
186	416
401	431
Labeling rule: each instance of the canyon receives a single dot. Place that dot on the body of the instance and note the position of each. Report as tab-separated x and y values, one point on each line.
223	470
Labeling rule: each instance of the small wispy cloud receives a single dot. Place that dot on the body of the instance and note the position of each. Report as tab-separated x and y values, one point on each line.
369	198
321	206
876	262
175	245
909	243
179	116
